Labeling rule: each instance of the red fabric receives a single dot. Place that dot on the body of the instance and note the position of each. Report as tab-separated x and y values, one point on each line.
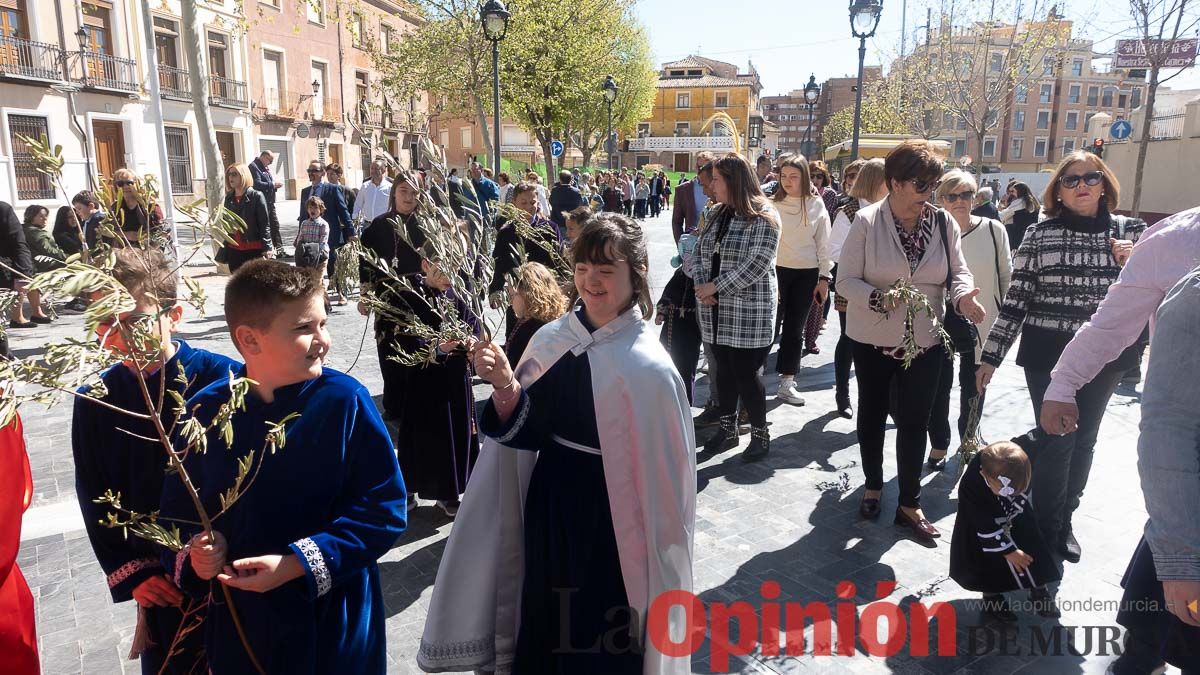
18	635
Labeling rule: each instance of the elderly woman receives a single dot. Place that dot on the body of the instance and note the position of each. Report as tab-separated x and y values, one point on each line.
46	256
1061	272
868	186
136	223
734	271
254	241
985	248
904	238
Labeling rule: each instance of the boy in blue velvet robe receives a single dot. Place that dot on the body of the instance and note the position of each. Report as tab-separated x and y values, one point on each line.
298	550
108	457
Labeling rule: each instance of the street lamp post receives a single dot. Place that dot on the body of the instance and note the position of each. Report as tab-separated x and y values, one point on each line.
864	19
610	95
494	18
812	92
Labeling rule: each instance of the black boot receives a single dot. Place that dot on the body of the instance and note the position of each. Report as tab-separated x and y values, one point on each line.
1069	546
708	417
844	408
1044	603
996	609
760	445
725	438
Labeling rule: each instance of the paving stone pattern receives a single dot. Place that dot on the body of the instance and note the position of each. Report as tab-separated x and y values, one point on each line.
791	518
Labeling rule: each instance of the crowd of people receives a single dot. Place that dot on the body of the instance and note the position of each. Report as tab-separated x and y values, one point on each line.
580	471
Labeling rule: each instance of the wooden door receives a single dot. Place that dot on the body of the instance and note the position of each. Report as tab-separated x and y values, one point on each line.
227	145
12	25
683	162
110	146
335	156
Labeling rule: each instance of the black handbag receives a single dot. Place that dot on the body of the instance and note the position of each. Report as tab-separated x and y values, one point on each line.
308	255
963	334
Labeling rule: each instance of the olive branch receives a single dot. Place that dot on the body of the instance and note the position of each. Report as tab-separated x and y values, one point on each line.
915	303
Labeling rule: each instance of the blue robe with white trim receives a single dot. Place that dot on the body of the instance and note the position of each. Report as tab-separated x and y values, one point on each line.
332	496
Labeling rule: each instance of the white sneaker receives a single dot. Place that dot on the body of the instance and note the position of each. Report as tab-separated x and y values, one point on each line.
790	394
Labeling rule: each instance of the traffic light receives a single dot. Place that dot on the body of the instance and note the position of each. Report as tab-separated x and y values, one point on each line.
1098	147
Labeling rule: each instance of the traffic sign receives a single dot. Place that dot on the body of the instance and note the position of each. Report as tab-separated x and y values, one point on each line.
556	148
1120	130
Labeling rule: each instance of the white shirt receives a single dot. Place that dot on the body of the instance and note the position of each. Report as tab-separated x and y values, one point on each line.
841	228
986	255
804	234
372	200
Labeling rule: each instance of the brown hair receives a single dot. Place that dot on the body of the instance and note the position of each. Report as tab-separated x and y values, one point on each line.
1009	460
609	237
404	177
853	167
522	188
1031	202
1112	189
315	201
579	214
503	175
147	272
260	289
912	160
544	299
86	198
817	168
871	178
745	196
799	163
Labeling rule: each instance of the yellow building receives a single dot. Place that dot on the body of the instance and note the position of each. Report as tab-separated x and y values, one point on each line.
690	92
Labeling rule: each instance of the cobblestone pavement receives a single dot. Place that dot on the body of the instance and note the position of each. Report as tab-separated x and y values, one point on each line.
791	518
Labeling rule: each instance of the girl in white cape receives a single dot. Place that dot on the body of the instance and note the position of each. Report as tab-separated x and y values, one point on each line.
581	508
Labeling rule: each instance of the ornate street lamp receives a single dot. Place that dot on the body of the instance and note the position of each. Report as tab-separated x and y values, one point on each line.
812	93
610	95
494	18
864	19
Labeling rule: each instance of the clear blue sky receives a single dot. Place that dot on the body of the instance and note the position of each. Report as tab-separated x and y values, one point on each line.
789	39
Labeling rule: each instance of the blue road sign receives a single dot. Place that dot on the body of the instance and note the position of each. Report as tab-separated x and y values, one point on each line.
556	148
1120	130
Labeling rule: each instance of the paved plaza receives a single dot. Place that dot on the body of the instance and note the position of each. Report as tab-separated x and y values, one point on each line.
791	518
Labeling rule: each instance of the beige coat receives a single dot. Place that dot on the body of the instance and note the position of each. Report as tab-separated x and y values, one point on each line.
873	258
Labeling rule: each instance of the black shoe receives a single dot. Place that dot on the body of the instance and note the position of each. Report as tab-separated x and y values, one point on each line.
996	609
725	438
937	464
78	305
707	417
869	508
1069	547
23	324
743	423
1044	604
844	409
760	445
40	319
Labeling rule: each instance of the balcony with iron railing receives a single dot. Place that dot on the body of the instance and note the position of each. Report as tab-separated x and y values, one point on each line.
173	83
26	59
319	110
681	143
96	70
227	93
274	104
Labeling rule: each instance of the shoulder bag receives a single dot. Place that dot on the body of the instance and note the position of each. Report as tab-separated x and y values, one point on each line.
963	334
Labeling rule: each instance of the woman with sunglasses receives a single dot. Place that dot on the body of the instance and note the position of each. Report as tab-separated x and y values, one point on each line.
136	218
254	241
901	237
985	249
1061	272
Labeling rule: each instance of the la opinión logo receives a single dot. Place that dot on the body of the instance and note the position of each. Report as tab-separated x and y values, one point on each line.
763	627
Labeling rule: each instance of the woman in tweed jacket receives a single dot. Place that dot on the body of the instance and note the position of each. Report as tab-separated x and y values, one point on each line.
734	270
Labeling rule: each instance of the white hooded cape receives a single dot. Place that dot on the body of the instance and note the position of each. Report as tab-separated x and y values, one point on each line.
647	448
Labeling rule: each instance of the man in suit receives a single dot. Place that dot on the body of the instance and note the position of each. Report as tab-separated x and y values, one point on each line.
264	182
341	227
690	199
564	198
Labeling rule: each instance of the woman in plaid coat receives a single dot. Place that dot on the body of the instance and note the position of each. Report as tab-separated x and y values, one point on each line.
734	271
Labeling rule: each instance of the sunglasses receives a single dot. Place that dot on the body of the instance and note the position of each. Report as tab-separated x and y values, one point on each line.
925	185
965	195
1091	179
123	183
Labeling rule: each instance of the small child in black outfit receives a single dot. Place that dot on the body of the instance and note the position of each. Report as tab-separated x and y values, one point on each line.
996	546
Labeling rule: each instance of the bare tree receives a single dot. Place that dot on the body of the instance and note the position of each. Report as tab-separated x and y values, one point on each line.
973	67
1158	24
214	187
